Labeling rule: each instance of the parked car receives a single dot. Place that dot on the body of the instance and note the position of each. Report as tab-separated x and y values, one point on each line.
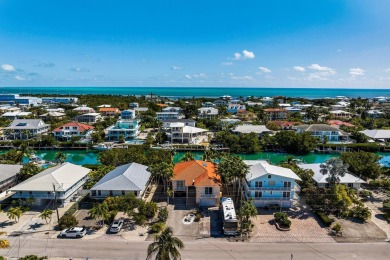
116	226
75	232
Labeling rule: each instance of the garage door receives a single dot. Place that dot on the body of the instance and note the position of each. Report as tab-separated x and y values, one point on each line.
208	202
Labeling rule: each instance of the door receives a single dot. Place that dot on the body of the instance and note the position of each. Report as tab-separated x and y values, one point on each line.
207	202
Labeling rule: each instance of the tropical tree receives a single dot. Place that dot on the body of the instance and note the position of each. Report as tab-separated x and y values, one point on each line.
28	170
188	156
60	157
209	156
364	164
245	213
14	213
24	151
46	215
162	171
99	211
334	168
165	246
4	243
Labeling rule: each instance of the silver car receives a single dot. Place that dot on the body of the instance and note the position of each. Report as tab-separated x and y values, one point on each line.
75	232
116	226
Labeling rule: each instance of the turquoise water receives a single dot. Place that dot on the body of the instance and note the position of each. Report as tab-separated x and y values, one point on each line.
81	157
201	91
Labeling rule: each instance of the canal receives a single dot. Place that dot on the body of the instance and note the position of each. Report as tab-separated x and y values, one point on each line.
81	157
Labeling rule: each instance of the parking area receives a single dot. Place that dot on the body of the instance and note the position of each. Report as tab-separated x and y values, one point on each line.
305	227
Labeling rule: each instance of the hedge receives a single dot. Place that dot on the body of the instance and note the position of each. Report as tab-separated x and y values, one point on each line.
325	218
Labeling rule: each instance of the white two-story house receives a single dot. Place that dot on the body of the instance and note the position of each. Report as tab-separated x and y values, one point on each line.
267	184
333	134
70	129
207	113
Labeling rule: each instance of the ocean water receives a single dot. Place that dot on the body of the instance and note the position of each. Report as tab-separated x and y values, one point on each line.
212	92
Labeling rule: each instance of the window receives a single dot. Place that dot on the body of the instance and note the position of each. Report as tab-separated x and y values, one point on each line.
111	193
93	193
123	192
258	184
350	185
269	176
287	184
286	194
258	194
179	184
271	183
99	193
208	190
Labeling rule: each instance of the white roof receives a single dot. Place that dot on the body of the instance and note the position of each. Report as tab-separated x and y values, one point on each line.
339	112
229	213
246	129
192	130
321	178
131	176
377	134
9	170
260	168
82	108
53	114
63	176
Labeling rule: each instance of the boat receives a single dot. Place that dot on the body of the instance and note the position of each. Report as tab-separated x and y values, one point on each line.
35	159
102	147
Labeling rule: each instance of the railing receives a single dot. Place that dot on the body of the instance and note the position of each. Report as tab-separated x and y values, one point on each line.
36	196
295	197
208	196
180	188
296	187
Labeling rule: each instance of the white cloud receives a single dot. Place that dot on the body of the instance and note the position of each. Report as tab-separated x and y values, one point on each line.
265	69
79	69
237	56
176	68
356	72
242	77
320	73
299	68
387	70
248	54
245	55
227	63
7	67
188	76
321	68
19	78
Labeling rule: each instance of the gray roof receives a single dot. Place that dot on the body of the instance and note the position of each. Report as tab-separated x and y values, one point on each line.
258	168
63	176
321	178
246	129
9	170
128	177
377	134
317	128
178	120
27	124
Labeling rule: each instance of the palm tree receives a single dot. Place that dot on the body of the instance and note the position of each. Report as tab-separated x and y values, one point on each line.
187	157
4	243
14	213
335	168
209	156
162	171
24	151
60	157
165	246
28	170
46	215
99	211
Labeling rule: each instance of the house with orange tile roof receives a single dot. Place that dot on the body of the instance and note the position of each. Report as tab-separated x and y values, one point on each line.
274	114
197	181
109	111
70	129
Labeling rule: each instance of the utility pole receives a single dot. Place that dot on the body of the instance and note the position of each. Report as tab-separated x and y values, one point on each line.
55	201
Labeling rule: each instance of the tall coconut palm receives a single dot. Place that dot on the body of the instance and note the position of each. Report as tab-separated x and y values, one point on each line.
46	215
188	156
99	211
14	213
335	168
162	171
165	246
60	157
24	151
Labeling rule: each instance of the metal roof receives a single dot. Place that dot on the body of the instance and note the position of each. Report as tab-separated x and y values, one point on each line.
259	168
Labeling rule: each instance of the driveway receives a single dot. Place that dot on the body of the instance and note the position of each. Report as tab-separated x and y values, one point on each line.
305	227
375	203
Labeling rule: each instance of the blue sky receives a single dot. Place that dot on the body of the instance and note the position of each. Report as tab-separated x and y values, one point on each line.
301	43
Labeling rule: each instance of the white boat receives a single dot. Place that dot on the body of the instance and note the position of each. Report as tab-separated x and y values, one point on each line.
35	159
102	147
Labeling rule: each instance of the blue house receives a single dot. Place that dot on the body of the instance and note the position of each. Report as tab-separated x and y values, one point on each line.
127	114
267	184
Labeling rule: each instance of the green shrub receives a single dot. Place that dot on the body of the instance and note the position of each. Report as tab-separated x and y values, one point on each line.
157	227
67	221
325	218
386	206
365	193
336	228
361	212
33	257
285	222
278	216
162	215
197	217
387	217
139	219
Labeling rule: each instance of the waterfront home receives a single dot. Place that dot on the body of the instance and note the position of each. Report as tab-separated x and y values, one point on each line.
321	181
220	103
341	114
208	104
267	184
267	101
333	134
234	106
89	118
66	179
377	135
125	179
109	111
338	123
198	182
341	105
128	114
285	125
83	110
128	128
207	113
16	115
187	122
375	114
181	133
274	114
140	110
9	175
172	109
58	110
52	115
161	116
260	130
26	128
245	115
66	131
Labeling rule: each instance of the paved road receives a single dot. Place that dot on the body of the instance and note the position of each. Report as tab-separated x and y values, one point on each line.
199	249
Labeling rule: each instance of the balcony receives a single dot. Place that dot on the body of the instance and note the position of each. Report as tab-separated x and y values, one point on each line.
296	188
295	197
180	188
